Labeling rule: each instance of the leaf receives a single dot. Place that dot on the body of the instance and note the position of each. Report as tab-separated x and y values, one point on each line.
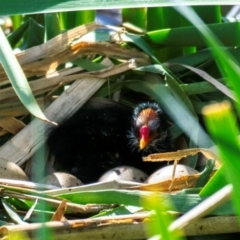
34	34
178	155
11	7
135	16
217	181
59	214
159	226
121	210
73	19
196	59
205	174
226	62
190	36
12	212
204	208
88	65
52	25
31	209
181	202
216	116
208	78
15	36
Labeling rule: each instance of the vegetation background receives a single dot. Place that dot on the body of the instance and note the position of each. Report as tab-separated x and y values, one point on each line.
194	61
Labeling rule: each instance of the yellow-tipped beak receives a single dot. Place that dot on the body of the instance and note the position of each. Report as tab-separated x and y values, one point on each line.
142	143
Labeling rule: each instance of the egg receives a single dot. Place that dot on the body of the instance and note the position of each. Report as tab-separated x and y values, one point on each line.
165	173
126	173
11	170
61	179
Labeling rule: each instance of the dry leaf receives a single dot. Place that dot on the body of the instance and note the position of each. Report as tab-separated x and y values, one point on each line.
176	156
59	214
172	185
11	124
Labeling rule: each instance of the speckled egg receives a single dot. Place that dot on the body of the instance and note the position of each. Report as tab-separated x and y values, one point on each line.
11	170
61	179
165	173
126	173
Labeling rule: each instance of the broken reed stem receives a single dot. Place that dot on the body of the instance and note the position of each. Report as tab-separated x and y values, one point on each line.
123	228
178	155
47	83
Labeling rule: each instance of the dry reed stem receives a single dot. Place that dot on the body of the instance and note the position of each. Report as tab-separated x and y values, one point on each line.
124	227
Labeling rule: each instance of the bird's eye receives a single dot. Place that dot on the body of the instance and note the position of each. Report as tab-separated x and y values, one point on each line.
153	124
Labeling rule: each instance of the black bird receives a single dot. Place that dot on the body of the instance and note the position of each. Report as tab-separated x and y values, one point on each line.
149	131
104	134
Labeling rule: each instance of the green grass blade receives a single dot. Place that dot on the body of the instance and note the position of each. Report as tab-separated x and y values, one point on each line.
15	36
162	18
70	20
136	16
16	21
205	174
209	14
34	35
12	7
181	202
217	116
198	88
215	183
88	65
211	80
141	43
12	212
52	25
190	36
161	220
195	59
227	64
121	210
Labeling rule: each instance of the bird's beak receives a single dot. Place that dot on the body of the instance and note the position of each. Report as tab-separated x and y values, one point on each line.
142	143
144	137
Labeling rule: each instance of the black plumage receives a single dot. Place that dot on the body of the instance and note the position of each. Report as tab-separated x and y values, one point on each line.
104	134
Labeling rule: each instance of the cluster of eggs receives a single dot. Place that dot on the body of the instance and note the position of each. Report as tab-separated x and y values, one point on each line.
126	173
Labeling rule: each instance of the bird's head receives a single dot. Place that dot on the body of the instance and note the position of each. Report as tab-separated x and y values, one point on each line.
147	123
149	128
